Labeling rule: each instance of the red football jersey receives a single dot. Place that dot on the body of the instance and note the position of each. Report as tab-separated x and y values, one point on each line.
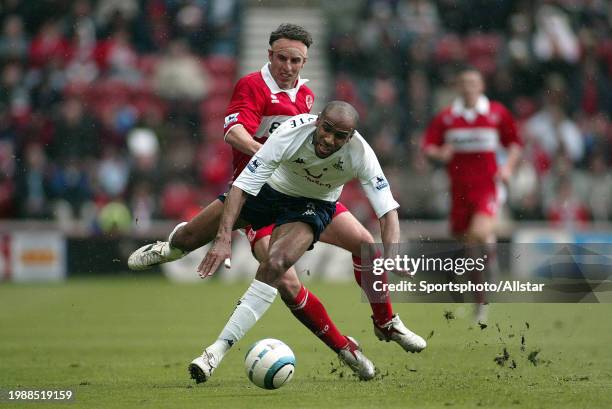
261	106
475	136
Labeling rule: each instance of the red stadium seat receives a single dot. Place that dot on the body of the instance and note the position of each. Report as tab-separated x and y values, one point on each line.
147	64
221	65
222	87
176	197
479	45
449	48
604	50
482	51
214	107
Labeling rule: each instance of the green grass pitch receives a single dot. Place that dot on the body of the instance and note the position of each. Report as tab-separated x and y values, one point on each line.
126	343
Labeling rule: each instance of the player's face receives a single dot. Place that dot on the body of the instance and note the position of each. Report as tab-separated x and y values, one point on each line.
331	134
471	85
287	58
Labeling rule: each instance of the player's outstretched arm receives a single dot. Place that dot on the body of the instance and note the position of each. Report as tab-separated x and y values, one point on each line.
241	140
390	233
222	245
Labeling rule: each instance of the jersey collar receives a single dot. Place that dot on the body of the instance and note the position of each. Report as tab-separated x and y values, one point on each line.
275	89
482	108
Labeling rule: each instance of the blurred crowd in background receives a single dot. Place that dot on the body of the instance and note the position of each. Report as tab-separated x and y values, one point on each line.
113	110
549	62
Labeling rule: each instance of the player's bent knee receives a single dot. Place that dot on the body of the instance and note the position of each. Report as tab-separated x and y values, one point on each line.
366	236
364	239
366	250
271	271
278	265
367	241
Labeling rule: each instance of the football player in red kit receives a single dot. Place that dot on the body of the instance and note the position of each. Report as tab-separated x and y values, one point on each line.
466	136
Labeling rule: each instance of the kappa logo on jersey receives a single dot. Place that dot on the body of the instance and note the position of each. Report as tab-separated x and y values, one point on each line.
274	99
231	118
253	165
380	183
309	101
299	161
310	209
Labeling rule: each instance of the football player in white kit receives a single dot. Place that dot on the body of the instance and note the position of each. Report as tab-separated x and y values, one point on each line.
261	101
294	181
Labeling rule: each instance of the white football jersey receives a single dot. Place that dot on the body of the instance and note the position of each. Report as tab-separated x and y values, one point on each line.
288	163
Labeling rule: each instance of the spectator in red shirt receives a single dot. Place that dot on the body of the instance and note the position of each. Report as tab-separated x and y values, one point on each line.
49	44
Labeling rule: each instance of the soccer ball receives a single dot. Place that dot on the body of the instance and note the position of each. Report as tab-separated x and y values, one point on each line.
269	363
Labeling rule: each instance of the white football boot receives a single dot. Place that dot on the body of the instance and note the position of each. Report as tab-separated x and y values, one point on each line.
155	253
203	366
357	361
395	330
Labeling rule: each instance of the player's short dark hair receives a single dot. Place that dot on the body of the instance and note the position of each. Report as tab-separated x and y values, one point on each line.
346	108
291	32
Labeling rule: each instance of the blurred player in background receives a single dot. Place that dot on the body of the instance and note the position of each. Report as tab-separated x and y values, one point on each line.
293	181
261	102
466	136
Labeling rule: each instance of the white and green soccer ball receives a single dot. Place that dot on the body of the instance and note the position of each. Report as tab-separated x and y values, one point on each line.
269	363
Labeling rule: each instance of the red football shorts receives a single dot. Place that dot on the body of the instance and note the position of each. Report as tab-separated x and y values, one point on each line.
469	198
255	235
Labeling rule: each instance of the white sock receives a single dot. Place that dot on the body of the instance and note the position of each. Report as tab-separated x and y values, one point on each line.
251	307
173	250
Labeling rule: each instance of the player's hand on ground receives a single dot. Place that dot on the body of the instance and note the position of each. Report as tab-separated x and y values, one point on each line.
220	251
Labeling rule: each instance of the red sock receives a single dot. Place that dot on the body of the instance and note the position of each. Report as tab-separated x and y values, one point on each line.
308	309
380	303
